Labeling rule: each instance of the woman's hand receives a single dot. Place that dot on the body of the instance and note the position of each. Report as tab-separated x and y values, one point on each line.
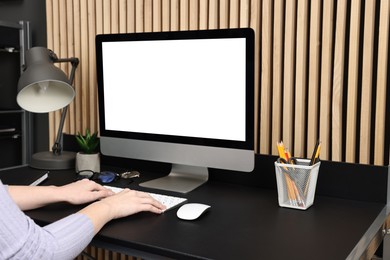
83	191
32	197
124	203
128	202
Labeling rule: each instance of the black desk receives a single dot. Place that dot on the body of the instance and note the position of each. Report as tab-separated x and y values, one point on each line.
245	221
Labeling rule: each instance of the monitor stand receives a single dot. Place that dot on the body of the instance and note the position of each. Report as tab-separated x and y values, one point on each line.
182	178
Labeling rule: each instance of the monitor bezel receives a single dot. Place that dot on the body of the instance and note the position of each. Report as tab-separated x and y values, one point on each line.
246	33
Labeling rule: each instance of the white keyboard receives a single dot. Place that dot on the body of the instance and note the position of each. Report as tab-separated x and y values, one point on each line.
168	201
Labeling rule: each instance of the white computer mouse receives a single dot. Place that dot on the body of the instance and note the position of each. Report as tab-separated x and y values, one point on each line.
191	211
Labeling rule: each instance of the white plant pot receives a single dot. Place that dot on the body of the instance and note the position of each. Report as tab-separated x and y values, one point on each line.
87	162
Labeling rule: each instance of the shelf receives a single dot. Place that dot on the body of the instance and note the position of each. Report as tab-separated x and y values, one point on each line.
4	111
9	50
7	24
12	39
12	135
7	129
15	123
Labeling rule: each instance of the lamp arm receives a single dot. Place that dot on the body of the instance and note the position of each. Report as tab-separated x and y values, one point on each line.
74	62
57	147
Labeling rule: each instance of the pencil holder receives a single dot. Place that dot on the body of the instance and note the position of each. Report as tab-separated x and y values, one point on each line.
296	183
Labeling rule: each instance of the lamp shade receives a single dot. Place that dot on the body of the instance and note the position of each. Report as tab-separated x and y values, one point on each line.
43	87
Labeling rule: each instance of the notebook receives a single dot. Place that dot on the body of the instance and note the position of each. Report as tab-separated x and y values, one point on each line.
23	175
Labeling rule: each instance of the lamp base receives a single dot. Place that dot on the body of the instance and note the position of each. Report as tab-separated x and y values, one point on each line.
49	161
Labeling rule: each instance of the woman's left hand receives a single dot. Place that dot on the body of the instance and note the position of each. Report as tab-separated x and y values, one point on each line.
83	191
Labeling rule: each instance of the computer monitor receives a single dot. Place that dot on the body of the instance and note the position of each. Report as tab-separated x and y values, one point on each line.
185	98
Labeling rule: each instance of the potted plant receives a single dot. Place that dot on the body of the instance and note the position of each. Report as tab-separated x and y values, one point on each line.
88	158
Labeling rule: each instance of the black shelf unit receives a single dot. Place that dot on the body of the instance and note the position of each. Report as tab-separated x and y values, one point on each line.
15	123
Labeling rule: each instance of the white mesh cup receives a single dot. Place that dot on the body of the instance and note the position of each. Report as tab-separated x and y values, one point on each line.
296	183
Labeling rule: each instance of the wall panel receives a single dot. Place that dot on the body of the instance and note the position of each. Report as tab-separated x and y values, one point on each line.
326	77
367	76
277	74
321	66
382	85
300	77
353	81
338	81
266	75
314	71
288	74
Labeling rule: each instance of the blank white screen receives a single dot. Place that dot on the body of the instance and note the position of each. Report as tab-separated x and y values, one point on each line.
193	88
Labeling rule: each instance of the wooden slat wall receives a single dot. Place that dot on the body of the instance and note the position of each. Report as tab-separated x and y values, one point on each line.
314	69
321	65
382	84
353	80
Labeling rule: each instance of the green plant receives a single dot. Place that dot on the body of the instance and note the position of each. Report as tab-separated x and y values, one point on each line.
88	143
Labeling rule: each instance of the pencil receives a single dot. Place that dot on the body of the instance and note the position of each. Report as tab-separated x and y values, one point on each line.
316	157
315	153
281	149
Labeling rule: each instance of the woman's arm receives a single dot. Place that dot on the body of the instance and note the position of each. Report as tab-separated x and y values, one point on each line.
83	191
122	204
63	239
108	207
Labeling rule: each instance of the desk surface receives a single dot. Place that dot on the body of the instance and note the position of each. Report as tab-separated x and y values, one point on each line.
243	223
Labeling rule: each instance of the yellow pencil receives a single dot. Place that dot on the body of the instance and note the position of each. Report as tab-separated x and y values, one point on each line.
280	147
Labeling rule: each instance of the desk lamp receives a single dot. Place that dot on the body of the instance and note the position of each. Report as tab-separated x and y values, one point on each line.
44	88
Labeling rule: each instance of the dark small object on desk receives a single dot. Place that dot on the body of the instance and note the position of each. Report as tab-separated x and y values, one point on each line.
105	177
32	178
130	174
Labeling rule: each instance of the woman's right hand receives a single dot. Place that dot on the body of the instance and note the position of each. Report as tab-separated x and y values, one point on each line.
128	202
122	204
